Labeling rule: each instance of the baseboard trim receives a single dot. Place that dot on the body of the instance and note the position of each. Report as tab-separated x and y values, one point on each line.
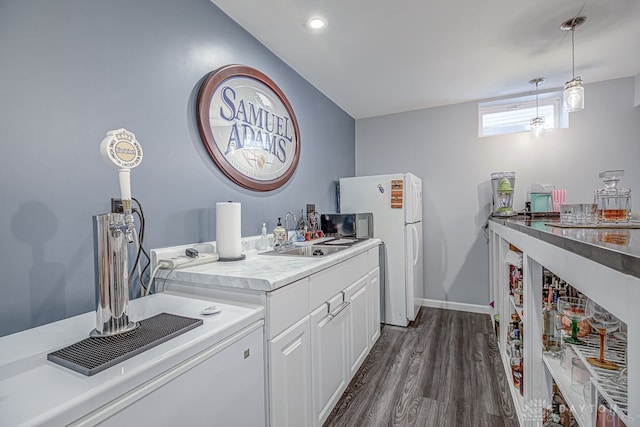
460	306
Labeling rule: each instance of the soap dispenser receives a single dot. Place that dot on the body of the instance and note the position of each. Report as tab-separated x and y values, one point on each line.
279	234
264	244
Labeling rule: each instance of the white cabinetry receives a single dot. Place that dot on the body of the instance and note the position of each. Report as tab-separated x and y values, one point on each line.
330	354
318	331
364	297
374	304
618	292
358	297
342	329
290	376
202	391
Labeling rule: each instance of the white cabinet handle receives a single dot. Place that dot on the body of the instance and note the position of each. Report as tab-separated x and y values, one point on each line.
339	309
332	315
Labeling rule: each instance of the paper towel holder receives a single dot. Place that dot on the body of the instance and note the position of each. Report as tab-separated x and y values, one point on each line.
228	230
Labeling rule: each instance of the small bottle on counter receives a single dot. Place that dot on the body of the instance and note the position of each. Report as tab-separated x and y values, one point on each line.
264	242
279	234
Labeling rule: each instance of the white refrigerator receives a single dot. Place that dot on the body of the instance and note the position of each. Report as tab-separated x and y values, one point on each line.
396	203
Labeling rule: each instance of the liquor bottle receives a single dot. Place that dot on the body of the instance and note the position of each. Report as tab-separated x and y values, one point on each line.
554	421
551	335
521	369
517	295
554	417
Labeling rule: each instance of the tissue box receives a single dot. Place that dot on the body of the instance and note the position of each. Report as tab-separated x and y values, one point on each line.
540	202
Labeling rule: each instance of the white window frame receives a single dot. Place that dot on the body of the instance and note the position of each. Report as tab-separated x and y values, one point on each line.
560	118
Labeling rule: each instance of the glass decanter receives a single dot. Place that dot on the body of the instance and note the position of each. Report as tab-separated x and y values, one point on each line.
614	203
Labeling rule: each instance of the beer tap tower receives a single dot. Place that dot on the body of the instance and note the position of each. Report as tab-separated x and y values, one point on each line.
112	234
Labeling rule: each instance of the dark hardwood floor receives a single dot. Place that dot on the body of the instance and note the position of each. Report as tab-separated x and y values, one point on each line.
443	370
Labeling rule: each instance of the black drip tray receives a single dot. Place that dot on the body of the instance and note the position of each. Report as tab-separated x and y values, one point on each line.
96	354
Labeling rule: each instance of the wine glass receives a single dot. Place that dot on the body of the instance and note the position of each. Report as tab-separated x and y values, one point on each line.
621	380
573	308
603	321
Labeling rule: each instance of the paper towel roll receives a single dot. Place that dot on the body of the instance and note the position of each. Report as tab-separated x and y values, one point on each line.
228	233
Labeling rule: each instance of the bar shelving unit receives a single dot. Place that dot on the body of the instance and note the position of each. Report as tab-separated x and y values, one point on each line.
616	291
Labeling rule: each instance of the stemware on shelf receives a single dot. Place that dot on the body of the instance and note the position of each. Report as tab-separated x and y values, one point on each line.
574	309
604	322
621	380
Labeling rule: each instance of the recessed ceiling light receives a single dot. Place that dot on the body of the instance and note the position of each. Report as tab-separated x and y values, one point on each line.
317	23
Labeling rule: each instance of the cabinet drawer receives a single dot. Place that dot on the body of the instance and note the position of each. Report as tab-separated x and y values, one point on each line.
287	305
327	283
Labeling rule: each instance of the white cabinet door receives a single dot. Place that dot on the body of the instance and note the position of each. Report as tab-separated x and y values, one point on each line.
223	385
358	297
330	351
290	376
373	293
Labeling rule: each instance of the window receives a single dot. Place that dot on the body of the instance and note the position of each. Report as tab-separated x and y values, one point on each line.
514	114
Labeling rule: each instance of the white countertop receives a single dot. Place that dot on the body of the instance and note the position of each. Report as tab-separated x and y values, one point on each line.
261	272
35	391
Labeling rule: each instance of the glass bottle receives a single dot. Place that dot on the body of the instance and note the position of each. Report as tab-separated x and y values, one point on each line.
517	293
614	203
264	241
550	329
554	418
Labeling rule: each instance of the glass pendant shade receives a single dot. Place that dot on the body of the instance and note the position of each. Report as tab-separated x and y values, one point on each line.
537	126
573	98
574	95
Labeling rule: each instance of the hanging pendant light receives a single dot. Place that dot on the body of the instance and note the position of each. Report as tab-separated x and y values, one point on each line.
537	123
573	89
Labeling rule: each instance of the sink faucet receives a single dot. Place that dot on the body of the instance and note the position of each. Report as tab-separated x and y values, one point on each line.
286	225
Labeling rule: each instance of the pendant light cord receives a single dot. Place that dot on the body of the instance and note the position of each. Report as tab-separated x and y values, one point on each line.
573	51
537	115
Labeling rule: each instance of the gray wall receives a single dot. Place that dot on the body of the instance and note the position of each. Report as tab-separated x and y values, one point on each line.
73	70
441	146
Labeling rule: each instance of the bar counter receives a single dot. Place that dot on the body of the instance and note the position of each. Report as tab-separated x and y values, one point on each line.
616	248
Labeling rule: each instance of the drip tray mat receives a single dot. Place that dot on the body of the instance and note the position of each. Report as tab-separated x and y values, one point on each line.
95	354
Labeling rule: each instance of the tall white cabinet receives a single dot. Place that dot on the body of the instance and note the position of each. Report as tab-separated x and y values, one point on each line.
604	278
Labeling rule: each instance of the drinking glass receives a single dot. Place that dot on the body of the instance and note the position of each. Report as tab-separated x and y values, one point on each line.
590	213
579	214
604	322
567	215
574	309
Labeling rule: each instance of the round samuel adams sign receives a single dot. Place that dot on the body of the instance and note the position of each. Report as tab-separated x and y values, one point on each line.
248	127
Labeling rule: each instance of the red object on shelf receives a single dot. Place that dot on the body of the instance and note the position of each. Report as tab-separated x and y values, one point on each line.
310	235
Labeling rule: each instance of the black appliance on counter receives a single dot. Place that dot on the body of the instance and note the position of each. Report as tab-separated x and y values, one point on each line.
358	225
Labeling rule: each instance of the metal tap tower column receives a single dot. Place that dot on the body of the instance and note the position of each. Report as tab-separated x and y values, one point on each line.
112	275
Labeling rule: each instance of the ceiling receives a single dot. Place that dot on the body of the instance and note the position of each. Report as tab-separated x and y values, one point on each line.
379	57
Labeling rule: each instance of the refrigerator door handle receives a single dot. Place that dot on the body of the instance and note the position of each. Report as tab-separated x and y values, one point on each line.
415	244
417	201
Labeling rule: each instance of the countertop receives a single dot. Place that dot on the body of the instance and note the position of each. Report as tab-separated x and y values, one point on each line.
616	248
35	391
260	272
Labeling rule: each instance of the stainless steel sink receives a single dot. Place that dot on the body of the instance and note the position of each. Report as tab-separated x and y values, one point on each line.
307	251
